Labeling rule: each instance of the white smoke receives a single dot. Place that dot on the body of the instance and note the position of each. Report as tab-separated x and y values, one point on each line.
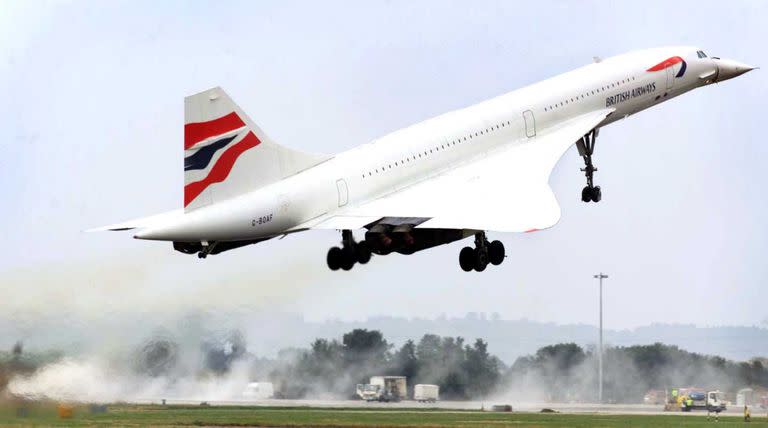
96	379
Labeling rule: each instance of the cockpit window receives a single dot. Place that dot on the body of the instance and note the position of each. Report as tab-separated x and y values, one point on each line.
701	54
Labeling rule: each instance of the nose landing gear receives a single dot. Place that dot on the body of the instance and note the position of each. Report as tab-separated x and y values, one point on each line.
586	146
484	252
351	252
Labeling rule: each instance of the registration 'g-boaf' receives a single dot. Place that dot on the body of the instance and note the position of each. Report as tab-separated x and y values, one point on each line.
484	168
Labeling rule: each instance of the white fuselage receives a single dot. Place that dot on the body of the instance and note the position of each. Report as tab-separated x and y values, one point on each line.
423	150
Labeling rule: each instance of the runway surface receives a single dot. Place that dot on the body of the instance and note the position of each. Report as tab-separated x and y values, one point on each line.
534	407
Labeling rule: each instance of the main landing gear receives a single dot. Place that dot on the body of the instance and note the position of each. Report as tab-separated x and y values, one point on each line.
205	249
586	146
484	252
351	252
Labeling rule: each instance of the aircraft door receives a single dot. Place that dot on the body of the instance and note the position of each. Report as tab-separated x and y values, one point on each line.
530	124
670	77
341	187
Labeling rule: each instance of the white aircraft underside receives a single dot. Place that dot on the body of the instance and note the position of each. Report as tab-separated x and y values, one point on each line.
482	168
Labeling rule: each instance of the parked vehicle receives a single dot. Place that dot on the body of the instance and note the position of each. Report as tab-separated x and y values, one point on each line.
383	388
687	399
711	401
425	393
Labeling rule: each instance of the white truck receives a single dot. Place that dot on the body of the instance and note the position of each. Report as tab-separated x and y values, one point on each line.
383	388
425	393
711	401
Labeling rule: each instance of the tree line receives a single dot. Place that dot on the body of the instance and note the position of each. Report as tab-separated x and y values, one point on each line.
333	368
561	372
566	372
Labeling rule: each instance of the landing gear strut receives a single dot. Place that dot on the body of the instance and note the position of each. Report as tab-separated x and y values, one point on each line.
351	252
484	252
586	146
206	249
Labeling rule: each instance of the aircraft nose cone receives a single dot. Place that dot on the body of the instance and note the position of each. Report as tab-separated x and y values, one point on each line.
728	69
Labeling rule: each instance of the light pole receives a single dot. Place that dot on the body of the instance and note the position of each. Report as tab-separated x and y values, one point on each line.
600	277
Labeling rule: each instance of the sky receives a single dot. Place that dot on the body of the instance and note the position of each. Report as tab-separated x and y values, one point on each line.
92	119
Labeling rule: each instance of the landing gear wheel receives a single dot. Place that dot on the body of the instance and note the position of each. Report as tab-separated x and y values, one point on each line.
362	253
586	194
334	258
481	260
496	253
348	258
596	194
201	255
467	259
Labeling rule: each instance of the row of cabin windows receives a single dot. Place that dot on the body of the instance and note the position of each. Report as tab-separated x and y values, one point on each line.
588	93
444	146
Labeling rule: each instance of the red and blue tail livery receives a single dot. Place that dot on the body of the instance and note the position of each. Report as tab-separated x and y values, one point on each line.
221	157
225	138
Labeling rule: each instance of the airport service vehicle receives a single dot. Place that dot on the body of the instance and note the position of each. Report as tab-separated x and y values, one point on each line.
687	399
426	393
383	388
711	401
482	168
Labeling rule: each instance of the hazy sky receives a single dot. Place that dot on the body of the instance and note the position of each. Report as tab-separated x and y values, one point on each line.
92	115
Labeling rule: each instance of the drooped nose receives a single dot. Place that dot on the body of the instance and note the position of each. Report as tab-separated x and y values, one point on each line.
728	69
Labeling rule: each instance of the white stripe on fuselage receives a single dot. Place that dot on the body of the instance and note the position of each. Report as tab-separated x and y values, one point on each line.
428	148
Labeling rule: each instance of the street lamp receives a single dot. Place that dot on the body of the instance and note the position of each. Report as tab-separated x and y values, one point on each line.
600	277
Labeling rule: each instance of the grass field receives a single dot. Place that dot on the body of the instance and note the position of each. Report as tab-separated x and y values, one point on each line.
155	415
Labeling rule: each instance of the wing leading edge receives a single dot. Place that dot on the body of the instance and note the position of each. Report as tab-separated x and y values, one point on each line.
506	191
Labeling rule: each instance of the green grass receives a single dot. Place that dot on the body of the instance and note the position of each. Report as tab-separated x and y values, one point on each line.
150	415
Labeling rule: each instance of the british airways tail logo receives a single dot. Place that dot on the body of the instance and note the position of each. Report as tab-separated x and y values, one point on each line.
669	62
226	135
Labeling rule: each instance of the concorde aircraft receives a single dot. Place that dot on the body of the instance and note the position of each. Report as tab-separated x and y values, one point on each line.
482	168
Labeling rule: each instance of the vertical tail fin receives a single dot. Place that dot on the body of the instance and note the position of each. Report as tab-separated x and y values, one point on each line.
226	154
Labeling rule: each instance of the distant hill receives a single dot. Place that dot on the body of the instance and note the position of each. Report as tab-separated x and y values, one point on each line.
265	334
509	339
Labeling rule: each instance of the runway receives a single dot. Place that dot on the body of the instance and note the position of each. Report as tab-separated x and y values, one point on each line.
530	407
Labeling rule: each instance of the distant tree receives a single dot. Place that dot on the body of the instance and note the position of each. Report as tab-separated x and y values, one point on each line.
429	348
759	375
453	386
365	347
325	360
561	357
17	350
482	370
405	361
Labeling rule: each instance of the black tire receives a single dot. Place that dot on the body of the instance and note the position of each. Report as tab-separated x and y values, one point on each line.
496	253
348	258
481	260
334	258
586	194
467	259
597	194
363	253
